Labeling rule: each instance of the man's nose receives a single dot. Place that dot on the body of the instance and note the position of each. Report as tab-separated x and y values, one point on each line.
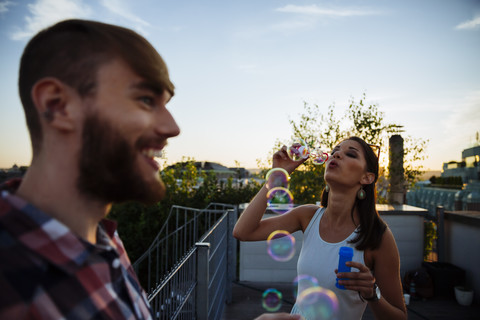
166	125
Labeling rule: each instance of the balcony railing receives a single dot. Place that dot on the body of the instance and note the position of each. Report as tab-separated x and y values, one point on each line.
188	269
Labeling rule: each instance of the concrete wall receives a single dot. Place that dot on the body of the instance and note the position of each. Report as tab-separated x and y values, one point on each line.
462	244
408	232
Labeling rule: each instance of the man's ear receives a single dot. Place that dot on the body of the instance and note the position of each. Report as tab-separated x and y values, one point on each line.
51	98
368	178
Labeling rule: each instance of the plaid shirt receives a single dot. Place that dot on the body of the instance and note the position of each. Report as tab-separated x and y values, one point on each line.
47	272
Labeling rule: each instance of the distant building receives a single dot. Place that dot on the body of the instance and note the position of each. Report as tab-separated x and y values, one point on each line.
238	176
467	198
14	172
241	173
220	171
468	169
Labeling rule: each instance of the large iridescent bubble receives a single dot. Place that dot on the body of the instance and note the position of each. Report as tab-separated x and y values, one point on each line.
277	177
299	150
318	156
318	303
303	282
279	198
281	245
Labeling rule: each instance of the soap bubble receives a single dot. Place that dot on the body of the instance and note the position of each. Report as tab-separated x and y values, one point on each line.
299	150
281	245
318	303
277	177
303	282
271	300
319	157
279	200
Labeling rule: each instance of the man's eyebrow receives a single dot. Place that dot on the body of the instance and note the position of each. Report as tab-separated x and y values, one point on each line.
146	85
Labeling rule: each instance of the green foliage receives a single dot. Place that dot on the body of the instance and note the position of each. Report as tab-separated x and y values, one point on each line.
366	121
430	236
413	153
306	184
138	224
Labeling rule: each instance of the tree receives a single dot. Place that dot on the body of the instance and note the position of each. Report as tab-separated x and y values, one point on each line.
366	121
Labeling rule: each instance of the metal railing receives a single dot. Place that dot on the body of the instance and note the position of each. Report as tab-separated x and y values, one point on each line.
188	269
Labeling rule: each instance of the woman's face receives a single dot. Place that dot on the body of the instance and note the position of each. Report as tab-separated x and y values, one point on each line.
347	165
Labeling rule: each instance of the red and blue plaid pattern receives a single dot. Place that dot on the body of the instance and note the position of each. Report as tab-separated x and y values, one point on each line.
47	272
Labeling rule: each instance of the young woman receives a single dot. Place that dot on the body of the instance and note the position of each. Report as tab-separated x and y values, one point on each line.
346	217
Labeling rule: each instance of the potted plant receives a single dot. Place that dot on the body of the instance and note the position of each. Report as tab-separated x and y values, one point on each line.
464	295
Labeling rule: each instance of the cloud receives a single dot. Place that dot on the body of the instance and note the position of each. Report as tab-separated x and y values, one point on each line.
44	13
470	24
303	23
468	110
120	8
315	10
463	121
306	17
4	6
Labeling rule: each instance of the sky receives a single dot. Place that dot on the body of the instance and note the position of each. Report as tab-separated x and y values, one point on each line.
243	69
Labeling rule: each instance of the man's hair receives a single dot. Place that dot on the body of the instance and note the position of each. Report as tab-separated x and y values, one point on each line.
72	51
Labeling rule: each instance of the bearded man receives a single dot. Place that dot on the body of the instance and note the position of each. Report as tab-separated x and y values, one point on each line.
95	98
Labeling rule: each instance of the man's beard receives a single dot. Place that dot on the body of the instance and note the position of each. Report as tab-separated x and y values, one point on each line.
107	166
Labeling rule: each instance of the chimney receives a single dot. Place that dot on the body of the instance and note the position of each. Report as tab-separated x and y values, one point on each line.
396	194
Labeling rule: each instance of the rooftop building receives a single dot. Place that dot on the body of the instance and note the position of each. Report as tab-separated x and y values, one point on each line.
468	168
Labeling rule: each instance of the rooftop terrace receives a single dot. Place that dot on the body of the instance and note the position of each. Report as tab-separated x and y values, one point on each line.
202	281
247	297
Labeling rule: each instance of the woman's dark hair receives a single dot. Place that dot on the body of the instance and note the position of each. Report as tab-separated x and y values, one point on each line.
372	226
72	51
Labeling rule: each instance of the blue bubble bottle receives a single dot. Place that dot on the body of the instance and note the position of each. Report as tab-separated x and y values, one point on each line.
345	254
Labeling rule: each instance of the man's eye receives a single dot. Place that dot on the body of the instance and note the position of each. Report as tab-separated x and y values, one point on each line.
147	100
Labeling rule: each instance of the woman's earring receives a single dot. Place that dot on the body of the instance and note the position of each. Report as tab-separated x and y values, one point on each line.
327	188
361	194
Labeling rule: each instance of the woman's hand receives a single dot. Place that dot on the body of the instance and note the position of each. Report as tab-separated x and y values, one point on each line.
282	160
361	281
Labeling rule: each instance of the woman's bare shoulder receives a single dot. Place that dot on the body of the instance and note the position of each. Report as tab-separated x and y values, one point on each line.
304	214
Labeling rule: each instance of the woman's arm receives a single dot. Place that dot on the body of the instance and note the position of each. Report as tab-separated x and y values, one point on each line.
250	226
387	275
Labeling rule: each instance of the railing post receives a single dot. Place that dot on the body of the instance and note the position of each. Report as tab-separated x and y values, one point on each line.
202	303
440	212
231	253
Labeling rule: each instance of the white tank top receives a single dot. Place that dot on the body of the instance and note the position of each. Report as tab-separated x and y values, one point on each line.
319	259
